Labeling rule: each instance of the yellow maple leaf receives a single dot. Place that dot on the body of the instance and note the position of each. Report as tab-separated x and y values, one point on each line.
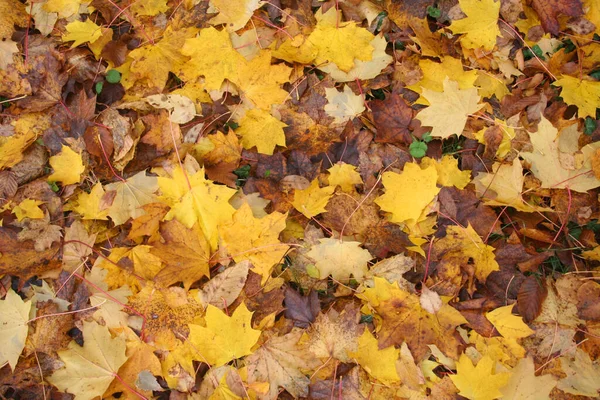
490	85
464	244
14	316
449	110
295	49
13	147
362	70
88	205
149	8
64	8
280	361
478	382
508	134
234	14
417	326
504	186
130	196
212	56
340	259
345	176
592	13
224	338
259	128
82	32
28	208
168	312
255	239
219	148
150	64
260	82
434	74
583	374
68	167
546	165
195	199
524	385
407	194
340	42
504	350
480	27
380	364
509	325
448	172
90	369
185	252
343	106
312	200
583	93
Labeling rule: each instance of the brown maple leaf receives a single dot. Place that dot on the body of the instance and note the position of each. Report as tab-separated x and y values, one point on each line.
549	10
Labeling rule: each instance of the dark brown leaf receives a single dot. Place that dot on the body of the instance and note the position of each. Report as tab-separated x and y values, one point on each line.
549	10
301	309
392	118
532	293
588	301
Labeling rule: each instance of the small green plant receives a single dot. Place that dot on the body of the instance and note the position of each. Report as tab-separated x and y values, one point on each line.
379	19
242	174
99	86
528	54
418	148
434	12
113	76
589	126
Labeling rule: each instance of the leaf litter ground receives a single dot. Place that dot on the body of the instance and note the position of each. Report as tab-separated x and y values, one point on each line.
295	199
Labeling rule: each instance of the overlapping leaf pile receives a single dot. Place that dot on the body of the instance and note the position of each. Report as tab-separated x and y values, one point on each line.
299	199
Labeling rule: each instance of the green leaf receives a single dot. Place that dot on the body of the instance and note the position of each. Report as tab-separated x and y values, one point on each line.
417	149
434	12
53	186
426	137
99	86
113	76
589	126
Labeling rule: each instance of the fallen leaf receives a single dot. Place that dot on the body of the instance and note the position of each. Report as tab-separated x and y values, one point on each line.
90	369
130	196
479	382
312	200
509	326
343	106
82	32
480	27
340	259
583	374
448	111
280	361
224	338
416	326
14	318
407	194
380	364
67	166
549	11
223	289
259	128
524	385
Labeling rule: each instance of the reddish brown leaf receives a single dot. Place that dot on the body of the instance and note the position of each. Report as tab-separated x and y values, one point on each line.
532	293
93	136
301	309
588	303
549	10
392	118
